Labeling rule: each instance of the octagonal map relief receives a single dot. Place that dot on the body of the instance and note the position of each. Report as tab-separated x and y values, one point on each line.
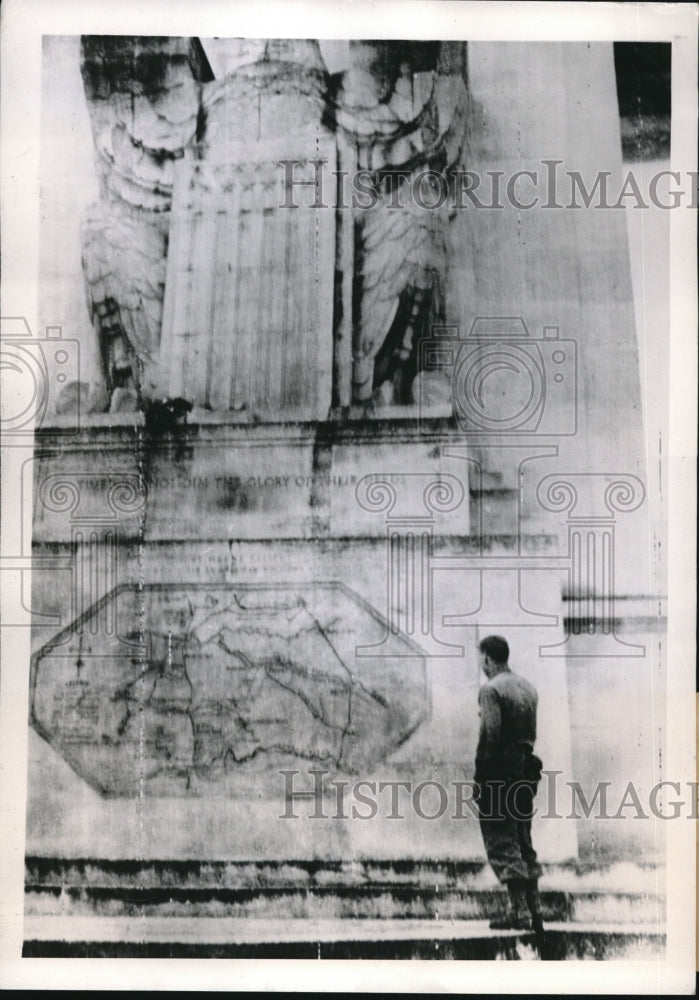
229	684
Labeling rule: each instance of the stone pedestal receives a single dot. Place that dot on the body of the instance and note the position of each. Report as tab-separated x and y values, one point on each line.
291	598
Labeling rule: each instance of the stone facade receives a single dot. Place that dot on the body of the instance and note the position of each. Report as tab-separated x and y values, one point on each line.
290	407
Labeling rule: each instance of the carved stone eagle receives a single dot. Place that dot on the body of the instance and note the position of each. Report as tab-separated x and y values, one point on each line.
403	108
143	97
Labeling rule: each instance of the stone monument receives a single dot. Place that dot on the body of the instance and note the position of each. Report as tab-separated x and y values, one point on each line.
291	512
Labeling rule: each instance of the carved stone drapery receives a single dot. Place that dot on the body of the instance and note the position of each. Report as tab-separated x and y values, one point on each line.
248	306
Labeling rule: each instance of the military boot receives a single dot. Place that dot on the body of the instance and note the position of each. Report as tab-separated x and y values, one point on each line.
534	904
517	918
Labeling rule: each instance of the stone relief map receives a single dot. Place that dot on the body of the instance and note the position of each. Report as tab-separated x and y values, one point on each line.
208	684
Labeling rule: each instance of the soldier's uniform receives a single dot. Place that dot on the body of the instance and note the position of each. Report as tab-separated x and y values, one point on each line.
507	774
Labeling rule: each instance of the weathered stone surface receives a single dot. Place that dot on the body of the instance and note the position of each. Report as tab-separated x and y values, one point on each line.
230	493
232	678
244	481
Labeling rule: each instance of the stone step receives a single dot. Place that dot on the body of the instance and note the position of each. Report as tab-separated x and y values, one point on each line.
256	873
306	889
300	872
109	937
332	901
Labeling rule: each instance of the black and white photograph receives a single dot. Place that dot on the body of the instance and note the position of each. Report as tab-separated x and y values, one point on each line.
348	430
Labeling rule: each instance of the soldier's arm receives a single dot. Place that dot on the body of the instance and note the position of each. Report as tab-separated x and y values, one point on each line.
489	739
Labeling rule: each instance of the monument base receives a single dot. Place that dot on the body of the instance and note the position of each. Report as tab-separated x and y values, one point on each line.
249	604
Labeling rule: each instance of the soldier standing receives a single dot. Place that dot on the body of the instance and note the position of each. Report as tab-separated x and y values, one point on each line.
507	775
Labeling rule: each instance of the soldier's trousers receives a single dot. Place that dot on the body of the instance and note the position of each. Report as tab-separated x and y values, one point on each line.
505	816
